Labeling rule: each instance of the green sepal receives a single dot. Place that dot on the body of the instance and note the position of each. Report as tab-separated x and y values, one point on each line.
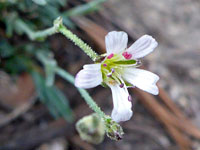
113	130
104	85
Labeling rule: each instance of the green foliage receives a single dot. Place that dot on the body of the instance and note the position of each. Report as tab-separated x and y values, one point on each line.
53	98
49	64
17	64
40	2
6	50
38	14
25	21
84	9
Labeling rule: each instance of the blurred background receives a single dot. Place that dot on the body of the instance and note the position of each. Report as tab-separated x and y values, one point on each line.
36	117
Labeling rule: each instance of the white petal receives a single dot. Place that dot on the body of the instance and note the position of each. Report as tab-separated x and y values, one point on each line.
116	42
96	67
142	79
143	46
122	106
89	77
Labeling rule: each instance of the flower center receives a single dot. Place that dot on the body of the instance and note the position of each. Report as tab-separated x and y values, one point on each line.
112	68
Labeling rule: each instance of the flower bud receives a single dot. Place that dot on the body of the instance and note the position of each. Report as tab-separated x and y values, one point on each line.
91	129
113	129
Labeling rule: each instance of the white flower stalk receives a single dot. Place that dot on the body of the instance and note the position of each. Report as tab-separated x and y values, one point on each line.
117	69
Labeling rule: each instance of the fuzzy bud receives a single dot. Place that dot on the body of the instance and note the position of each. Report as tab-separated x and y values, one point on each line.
113	129
91	129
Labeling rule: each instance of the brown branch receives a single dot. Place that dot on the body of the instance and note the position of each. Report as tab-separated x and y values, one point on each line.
163	116
170	104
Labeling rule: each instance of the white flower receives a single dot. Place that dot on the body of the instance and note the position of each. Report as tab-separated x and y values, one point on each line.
118	70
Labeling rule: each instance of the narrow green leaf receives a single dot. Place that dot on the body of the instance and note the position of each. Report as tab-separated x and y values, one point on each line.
53	98
17	63
60	102
85	8
40	2
6	50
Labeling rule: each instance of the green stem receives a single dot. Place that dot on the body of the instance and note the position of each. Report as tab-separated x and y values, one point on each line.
77	41
84	9
57	27
49	65
32	34
83	92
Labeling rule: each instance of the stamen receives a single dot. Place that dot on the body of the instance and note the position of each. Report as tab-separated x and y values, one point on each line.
121	85
109	74
112	70
129	98
119	137
139	63
127	55
105	65
110	56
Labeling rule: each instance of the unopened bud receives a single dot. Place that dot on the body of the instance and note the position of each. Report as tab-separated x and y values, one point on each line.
91	129
113	129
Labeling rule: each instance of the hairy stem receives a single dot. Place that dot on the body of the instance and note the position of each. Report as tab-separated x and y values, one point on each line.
76	40
83	92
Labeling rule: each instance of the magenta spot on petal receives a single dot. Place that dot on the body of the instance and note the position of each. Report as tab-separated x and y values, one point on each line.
129	98
110	56
121	85
105	65
127	55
